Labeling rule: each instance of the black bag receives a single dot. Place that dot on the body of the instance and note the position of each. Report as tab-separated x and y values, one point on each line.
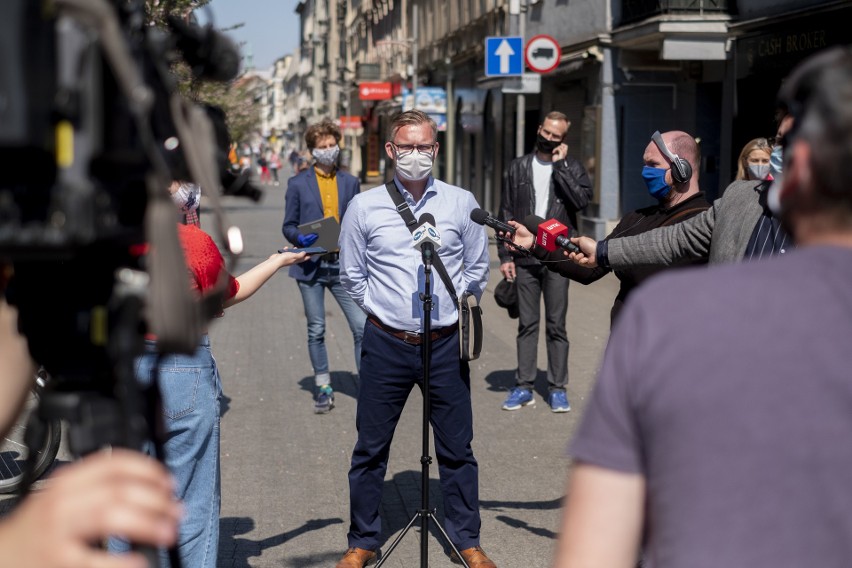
506	296
470	327
470	314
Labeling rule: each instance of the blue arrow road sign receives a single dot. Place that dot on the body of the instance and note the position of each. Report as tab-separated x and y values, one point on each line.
504	56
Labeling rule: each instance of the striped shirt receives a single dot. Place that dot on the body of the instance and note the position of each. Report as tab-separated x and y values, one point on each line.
769	237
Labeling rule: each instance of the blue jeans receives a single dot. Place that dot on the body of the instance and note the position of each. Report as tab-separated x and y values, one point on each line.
191	390
313	296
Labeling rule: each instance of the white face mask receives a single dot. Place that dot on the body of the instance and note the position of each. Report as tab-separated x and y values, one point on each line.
326	156
758	171
187	197
414	166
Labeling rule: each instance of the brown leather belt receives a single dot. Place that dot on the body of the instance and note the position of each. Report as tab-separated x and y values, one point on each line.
410	337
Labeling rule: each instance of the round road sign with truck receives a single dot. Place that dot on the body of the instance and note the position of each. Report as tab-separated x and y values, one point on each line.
542	54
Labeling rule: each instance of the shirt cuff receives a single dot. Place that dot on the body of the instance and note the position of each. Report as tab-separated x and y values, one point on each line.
602	254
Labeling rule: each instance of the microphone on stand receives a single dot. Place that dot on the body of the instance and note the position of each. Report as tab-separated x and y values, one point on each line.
426	238
550	234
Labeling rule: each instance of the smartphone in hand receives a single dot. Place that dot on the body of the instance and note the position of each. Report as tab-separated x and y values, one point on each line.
308	250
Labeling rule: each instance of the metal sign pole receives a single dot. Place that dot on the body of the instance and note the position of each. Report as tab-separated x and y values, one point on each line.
520	118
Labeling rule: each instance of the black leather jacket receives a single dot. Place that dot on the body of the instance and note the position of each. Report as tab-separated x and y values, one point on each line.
570	192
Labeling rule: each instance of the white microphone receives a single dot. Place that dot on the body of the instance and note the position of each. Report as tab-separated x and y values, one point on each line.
426	238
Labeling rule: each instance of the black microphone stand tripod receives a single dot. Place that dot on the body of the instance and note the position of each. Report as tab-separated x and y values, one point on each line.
425	514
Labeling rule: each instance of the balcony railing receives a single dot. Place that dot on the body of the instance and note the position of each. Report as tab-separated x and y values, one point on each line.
636	10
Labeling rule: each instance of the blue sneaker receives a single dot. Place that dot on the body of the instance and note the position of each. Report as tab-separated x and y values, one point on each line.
517	398
325	400
558	401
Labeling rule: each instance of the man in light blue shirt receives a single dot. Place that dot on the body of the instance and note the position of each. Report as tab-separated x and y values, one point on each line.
384	274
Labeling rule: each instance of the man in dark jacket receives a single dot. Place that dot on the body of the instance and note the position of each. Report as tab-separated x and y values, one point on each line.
552	185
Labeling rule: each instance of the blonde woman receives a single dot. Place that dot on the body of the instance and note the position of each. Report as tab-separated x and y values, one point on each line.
753	163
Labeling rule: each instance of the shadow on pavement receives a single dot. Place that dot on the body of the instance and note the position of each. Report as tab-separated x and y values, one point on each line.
518	524
400	502
504	380
343	382
532	505
239	550
224	405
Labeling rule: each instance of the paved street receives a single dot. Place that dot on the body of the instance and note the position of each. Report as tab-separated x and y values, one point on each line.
284	469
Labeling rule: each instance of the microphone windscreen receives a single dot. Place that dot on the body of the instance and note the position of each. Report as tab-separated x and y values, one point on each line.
531	222
479	216
427	218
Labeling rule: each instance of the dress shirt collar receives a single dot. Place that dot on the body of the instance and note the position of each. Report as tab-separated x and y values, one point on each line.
430	188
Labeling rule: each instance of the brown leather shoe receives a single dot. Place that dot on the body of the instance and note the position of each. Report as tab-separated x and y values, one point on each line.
356	558
475	558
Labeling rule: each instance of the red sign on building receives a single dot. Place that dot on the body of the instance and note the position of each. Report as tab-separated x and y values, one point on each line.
374	91
350	122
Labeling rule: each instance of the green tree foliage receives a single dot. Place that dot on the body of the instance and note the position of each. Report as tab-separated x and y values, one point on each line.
242	110
159	10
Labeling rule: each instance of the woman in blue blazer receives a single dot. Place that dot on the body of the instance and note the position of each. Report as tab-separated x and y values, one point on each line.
318	192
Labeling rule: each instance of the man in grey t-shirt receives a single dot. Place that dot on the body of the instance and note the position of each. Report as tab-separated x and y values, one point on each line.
719	427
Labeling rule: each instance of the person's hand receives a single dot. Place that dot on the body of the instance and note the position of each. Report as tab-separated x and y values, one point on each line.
122	494
286	258
560	152
507	269
307	240
522	236
586	258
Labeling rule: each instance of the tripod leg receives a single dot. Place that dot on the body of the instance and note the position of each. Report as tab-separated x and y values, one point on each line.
397	540
447	539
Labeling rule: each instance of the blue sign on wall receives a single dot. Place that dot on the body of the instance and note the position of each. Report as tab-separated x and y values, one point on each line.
504	56
431	100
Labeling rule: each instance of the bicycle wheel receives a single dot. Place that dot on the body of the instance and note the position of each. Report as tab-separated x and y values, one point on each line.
14	452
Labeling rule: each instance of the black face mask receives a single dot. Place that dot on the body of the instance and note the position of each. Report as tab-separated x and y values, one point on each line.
546	146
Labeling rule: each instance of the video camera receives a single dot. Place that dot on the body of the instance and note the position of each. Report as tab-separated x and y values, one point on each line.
92	131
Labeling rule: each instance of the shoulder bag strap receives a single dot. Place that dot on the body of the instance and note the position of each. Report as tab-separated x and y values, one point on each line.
411	223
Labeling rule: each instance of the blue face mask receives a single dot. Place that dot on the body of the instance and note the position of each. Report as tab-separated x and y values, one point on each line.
776	161
655	179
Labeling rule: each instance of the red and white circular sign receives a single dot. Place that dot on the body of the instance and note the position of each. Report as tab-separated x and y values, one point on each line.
542	54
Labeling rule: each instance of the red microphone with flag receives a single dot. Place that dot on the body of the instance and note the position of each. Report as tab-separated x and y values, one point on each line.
550	234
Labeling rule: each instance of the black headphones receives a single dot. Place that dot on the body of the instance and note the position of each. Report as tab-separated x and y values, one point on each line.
681	169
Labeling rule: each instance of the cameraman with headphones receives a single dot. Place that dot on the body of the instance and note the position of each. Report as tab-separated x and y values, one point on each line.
739	226
122	492
671	176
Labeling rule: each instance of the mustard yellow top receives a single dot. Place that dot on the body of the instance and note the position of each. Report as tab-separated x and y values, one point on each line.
328	193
